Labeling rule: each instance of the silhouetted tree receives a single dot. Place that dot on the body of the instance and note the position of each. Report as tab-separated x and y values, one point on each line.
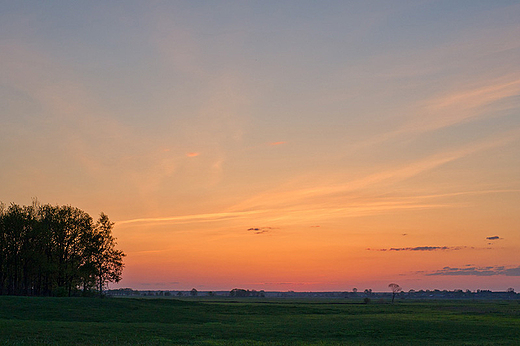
354	292
395	289
511	292
107	260
194	292
55	250
240	292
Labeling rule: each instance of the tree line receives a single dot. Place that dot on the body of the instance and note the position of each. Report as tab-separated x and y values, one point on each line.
240	292
48	250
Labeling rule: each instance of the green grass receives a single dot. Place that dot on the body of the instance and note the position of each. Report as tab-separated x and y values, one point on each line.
84	321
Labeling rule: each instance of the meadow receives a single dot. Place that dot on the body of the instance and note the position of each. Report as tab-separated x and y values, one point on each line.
140	321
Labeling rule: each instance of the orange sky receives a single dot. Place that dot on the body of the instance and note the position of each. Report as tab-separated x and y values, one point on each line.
276	146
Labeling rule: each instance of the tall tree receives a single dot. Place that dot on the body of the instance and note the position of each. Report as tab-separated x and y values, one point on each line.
108	260
395	289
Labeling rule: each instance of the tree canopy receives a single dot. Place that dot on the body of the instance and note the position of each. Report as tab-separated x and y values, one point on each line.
395	289
56	250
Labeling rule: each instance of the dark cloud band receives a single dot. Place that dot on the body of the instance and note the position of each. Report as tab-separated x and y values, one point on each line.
260	230
422	248
495	237
477	271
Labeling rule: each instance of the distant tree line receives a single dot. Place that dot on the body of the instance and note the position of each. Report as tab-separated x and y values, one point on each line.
48	250
240	292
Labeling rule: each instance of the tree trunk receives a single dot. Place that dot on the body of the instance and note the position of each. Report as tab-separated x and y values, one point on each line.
100	282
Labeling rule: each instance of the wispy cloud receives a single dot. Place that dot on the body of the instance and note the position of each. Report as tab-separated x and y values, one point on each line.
302	213
192	218
320	196
463	105
304	210
478	96
477	271
193	154
422	248
277	143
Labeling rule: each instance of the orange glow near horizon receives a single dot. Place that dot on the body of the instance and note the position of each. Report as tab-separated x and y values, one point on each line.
284	250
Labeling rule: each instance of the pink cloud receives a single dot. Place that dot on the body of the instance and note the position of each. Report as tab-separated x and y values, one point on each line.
192	154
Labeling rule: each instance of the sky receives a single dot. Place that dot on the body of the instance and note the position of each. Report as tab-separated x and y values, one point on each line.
274	145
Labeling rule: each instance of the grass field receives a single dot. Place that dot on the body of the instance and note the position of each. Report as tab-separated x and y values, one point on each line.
128	321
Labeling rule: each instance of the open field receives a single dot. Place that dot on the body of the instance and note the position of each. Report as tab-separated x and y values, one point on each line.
89	321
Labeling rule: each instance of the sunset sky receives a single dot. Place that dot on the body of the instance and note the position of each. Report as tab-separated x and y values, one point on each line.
274	145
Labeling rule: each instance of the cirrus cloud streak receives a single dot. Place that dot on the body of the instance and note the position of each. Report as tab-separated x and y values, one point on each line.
423	248
476	271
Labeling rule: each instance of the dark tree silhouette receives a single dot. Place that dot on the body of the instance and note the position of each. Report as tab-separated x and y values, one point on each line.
395	289
240	292
108	261
55	250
